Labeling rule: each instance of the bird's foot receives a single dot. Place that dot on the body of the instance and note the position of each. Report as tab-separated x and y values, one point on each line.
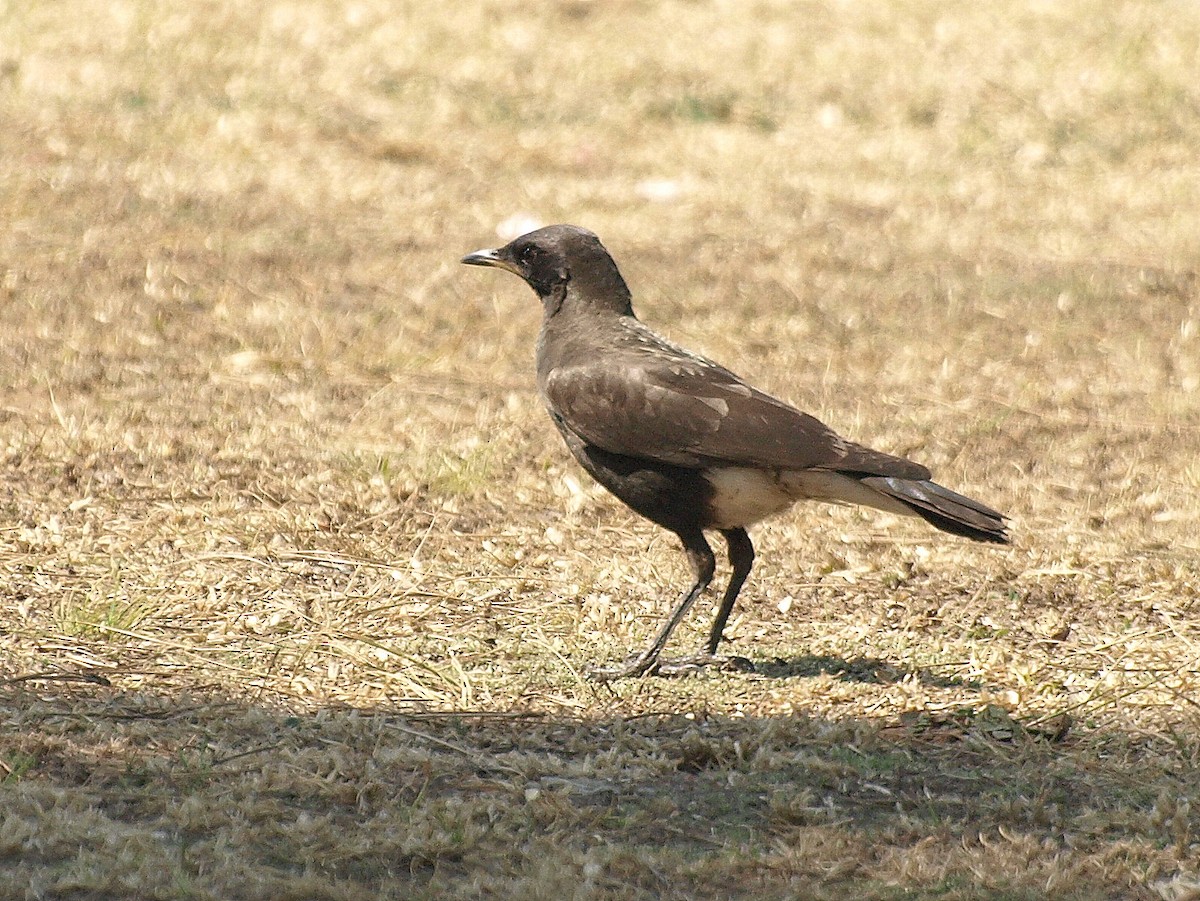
634	665
695	663
639	665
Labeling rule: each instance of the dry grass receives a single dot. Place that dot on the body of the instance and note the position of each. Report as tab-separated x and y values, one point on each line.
298	583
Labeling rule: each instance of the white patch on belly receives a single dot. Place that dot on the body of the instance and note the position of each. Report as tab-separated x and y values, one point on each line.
742	495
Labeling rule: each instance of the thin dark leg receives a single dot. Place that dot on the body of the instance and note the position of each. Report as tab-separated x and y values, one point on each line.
704	564
741	558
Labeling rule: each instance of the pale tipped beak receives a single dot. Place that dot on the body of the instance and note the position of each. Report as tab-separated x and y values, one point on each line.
490	258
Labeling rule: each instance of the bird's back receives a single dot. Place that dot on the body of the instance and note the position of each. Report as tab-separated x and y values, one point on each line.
626	389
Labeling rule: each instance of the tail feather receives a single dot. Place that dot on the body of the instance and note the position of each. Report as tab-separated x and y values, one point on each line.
948	510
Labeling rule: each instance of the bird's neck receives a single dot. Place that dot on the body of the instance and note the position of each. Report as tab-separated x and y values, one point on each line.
576	301
576	327
601	290
594	290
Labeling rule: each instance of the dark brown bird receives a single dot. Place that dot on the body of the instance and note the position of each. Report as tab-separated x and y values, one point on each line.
684	441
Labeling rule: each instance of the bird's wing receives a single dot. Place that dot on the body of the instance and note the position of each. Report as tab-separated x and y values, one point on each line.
688	411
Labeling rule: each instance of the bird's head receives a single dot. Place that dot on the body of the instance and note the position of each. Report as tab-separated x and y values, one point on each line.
557	259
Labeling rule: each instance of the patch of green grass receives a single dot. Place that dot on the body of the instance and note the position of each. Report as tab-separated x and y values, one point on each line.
14	765
697	108
105	610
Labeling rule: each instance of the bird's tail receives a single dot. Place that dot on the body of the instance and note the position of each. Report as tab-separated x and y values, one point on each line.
946	509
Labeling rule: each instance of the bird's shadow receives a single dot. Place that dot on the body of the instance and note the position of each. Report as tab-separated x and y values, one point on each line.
871	670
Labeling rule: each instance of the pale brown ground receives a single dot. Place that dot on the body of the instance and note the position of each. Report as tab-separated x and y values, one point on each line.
298	583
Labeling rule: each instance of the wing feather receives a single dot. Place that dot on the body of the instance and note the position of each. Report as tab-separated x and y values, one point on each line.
688	411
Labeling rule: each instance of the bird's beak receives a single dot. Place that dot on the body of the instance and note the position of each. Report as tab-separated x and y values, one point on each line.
490	258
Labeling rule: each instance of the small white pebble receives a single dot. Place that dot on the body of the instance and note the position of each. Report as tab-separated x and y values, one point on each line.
830	116
658	190
516	225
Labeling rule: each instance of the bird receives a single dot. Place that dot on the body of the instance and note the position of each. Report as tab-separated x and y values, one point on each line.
686	443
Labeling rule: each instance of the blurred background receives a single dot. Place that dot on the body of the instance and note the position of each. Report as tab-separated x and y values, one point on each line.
267	446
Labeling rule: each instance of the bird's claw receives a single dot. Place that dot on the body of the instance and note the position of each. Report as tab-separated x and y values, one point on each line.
637	665
689	666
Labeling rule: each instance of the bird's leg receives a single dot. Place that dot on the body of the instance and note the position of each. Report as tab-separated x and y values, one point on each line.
704	564
741	557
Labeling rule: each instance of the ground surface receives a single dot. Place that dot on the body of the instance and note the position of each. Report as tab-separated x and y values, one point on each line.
298	584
